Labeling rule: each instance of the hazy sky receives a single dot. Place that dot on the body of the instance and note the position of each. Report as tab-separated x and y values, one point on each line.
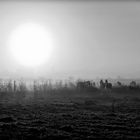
90	39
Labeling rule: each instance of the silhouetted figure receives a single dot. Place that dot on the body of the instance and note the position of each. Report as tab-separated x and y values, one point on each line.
108	85
87	84
84	84
80	85
102	84
132	85
94	84
119	84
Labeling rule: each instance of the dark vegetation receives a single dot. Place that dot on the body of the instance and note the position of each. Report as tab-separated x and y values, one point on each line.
69	110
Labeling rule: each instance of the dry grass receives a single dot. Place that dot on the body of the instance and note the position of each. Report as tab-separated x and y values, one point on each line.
45	111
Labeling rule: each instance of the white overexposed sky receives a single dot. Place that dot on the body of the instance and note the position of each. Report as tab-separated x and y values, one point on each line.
90	39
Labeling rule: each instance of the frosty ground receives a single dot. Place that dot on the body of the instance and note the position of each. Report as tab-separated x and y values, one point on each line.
72	117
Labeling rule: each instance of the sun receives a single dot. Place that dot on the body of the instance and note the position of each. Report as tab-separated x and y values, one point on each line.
30	45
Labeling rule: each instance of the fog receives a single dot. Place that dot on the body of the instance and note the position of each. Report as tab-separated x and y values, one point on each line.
90	39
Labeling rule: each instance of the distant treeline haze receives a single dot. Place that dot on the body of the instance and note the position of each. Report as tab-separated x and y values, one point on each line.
20	89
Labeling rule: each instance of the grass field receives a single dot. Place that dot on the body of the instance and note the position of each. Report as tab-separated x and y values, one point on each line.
71	115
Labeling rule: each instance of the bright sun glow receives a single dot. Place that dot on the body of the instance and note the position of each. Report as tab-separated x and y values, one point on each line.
30	44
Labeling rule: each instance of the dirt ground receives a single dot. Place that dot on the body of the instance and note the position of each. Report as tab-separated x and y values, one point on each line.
71	118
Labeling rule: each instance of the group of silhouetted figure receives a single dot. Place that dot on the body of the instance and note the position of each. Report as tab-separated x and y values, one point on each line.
88	84
104	85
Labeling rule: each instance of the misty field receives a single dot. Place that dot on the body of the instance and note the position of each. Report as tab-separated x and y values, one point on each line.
45	111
